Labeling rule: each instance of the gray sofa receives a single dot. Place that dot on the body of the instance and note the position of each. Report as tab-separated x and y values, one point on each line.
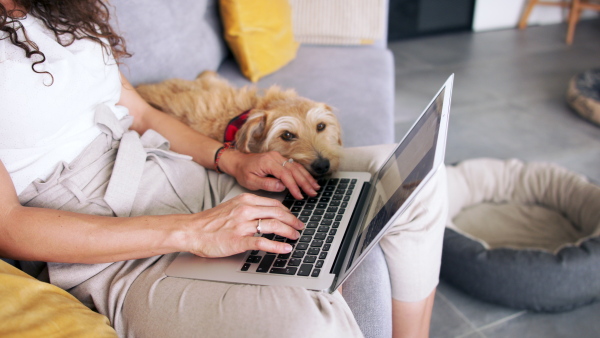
182	38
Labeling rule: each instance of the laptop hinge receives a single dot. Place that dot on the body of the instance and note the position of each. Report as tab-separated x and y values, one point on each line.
354	219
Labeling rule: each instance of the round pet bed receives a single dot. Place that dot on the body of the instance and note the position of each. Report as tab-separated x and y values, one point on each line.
522	235
583	95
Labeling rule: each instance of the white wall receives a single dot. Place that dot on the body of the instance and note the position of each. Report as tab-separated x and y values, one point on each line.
500	14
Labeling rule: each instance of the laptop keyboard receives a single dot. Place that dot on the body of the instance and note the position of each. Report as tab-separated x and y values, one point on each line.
321	215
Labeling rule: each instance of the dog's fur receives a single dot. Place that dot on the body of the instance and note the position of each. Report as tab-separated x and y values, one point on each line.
280	120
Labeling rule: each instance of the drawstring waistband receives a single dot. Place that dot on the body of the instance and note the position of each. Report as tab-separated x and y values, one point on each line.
131	152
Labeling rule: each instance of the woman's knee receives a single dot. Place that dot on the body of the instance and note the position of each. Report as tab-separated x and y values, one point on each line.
369	158
221	309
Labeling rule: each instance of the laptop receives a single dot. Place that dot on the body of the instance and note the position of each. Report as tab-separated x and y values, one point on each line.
345	221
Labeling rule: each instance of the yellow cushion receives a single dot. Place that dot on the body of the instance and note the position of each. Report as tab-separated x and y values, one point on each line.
260	35
30	308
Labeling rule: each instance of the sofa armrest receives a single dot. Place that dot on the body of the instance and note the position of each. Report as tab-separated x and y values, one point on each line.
368	294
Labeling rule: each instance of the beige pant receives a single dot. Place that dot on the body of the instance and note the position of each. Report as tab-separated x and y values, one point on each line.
113	178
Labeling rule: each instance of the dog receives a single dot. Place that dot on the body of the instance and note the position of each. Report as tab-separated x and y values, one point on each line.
265	120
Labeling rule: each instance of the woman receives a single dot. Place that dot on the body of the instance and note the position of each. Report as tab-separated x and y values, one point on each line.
72	158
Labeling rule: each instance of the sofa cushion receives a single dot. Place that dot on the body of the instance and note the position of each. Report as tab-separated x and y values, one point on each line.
357	81
339	22
30	308
259	34
169	38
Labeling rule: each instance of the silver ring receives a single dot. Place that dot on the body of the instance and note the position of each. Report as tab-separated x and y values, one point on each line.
288	161
258	227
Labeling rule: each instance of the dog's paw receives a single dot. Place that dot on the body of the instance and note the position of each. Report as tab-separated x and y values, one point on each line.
207	74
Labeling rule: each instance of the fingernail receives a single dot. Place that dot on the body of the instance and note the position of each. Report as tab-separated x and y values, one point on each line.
287	248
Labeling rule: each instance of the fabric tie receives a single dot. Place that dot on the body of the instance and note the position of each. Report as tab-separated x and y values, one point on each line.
130	160
129	152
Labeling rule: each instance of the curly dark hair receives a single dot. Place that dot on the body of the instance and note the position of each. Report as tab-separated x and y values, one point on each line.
69	20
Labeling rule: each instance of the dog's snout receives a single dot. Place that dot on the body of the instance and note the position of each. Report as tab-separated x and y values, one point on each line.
320	166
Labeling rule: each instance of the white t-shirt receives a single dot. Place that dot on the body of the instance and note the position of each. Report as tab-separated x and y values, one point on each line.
42	125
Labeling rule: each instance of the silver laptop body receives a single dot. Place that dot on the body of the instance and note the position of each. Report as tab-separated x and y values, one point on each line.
370	208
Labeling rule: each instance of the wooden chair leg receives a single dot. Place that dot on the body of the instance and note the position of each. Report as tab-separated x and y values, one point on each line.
526	13
573	19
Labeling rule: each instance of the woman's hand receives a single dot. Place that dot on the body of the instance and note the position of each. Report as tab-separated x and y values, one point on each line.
229	228
266	171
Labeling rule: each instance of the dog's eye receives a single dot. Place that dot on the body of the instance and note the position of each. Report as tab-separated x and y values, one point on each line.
287	136
321	126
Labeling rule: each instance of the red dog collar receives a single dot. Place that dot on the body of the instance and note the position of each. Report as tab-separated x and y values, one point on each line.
234	125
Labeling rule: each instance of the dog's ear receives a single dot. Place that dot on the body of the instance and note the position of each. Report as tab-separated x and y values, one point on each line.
249	138
331	109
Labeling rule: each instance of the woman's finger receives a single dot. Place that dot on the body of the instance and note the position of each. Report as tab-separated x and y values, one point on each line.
266	183
273	226
261	243
291	174
300	169
303	178
292	177
258	207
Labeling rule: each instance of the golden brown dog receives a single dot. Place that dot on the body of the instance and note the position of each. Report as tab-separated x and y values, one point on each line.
277	119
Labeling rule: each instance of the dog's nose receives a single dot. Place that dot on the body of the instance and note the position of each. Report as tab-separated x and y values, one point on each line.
320	166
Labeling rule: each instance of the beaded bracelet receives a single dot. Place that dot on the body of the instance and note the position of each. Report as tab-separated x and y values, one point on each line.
226	145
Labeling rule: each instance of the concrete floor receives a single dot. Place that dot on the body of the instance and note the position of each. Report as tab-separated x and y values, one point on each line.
508	102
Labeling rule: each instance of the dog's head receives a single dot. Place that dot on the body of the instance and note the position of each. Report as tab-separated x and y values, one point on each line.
297	128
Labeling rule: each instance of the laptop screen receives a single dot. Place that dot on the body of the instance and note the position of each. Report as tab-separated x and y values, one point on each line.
411	162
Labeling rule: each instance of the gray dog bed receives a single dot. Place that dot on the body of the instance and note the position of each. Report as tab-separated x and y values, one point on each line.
583	94
523	235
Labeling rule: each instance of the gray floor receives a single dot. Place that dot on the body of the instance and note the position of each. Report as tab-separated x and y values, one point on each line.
508	102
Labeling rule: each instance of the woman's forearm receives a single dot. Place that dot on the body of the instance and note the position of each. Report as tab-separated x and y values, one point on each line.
183	139
60	236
